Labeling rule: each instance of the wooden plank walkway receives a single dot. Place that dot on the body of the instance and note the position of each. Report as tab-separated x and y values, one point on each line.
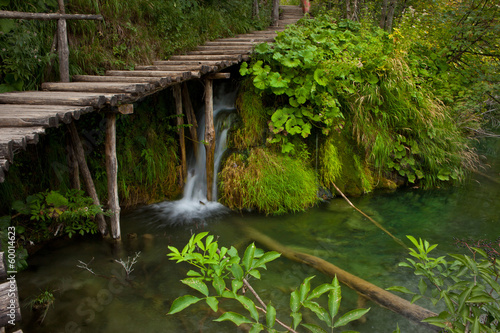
26	115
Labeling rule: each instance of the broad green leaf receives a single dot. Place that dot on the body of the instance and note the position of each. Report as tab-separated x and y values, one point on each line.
236	285
321	313
401	289
193	273
236	318
197	284
249	305
183	302
320	290
334	298
237	271
305	287
314	328
255	273
422	286
213	303
415	298
219	284
485	298
256	328
350	316
270	315
297	318
248	256
267	257
294	301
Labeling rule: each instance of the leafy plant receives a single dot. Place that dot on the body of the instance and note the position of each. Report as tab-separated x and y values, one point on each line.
467	285
73	212
42	302
222	274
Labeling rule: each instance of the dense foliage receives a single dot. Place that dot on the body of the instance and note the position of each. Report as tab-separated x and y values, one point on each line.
329	76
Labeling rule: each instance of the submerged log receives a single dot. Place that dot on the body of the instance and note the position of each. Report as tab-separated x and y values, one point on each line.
209	135
370	291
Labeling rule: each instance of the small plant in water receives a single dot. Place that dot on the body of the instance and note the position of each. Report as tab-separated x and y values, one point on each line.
129	264
42	303
227	273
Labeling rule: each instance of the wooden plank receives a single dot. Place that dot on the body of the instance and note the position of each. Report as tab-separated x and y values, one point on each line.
242	49
64	113
188	62
246	39
206	57
53	97
215	51
202	69
9	303
100	87
28	119
217	76
158	81
229	43
6	148
173	75
6	14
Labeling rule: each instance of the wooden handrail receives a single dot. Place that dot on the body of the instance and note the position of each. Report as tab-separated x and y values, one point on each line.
5	14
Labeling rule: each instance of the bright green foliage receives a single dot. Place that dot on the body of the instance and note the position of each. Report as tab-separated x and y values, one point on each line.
51	211
329	76
468	287
222	274
270	182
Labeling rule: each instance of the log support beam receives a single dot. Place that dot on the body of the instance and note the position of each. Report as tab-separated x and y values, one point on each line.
87	177
180	129
63	45
112	173
209	135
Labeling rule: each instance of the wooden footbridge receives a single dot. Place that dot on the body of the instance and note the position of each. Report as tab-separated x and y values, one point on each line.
24	116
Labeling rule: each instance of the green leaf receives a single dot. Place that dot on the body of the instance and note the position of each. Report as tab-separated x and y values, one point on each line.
401	289
249	305
334	298
294	301
321	313
213	303
320	290
422	286
305	287
248	256
270	316
350	316
236	285
183	302
237	271
197	284
219	284
415	298
236	318
256	328
314	328
485	298
267	257
297	318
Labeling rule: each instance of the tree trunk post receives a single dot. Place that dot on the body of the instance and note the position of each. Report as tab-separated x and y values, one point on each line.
276	13
256	8
112	173
209	135
180	129
191	117
74	170
87	177
62	45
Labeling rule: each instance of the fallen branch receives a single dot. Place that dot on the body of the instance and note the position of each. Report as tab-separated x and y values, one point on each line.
370	291
397	240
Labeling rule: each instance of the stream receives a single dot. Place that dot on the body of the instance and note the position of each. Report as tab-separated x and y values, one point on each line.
333	231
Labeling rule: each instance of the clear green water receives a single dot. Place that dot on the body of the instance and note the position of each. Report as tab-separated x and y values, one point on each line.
333	231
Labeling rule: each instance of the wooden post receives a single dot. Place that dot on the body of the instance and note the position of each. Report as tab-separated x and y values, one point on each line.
276	13
62	45
87	177
112	173
209	135
180	129
191	117
74	170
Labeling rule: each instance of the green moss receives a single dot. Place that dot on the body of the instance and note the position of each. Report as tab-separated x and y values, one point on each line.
269	182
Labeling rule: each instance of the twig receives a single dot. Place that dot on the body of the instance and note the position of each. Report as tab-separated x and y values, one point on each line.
397	240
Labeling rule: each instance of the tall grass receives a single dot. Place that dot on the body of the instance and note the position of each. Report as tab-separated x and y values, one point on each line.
269	182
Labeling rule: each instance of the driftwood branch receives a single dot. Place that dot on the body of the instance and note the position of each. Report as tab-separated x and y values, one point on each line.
6	14
370	291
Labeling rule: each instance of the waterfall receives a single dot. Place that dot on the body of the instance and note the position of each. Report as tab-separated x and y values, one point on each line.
194	207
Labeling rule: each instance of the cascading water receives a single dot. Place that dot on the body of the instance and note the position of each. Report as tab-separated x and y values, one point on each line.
194	206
